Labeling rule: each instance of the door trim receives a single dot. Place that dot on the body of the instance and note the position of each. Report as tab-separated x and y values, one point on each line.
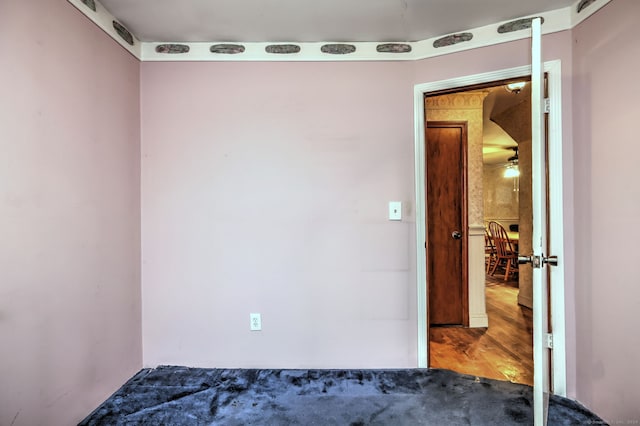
553	68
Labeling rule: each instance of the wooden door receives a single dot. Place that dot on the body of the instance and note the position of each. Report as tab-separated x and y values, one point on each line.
446	147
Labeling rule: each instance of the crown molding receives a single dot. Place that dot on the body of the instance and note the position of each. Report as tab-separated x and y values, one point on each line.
554	21
104	20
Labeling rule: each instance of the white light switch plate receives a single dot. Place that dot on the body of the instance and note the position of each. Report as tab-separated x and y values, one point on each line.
395	210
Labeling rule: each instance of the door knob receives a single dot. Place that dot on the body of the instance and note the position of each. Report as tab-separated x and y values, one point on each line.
525	259
456	235
538	261
534	260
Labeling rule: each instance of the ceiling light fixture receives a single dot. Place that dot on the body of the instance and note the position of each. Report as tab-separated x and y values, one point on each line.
515	88
512	171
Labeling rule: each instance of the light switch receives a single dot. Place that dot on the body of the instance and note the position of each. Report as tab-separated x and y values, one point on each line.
395	210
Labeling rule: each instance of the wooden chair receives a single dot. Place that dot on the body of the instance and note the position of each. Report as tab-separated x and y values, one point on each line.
506	255
489	250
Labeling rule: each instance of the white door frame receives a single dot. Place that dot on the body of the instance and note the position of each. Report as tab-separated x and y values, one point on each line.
553	68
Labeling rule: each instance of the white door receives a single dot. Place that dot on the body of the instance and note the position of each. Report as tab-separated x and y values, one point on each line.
539	259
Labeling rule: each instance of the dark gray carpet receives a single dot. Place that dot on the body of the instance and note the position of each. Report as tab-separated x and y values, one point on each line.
196	396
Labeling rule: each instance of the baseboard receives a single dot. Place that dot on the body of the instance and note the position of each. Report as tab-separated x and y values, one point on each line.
478	320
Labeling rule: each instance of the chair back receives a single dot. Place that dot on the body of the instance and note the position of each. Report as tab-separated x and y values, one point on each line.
504	247
488	241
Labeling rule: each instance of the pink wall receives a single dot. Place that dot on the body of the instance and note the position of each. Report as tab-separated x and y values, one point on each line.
69	202
265	189
606	60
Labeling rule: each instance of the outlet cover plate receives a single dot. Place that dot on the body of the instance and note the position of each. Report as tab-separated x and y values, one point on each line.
255	322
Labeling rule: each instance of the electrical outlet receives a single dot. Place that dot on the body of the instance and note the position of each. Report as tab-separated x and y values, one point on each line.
255	323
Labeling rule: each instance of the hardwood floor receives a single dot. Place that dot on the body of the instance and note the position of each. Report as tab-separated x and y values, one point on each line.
503	351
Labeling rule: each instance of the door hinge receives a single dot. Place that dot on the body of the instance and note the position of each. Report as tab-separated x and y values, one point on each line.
549	341
547	105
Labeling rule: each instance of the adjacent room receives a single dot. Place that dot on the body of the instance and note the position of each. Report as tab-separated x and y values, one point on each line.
243	190
504	348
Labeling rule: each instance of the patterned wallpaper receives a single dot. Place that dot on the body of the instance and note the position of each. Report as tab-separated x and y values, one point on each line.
501	202
465	107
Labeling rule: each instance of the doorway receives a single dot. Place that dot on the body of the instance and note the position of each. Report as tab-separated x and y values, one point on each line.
499	120
476	245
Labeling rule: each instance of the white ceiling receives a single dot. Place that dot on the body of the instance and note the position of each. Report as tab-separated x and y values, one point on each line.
314	21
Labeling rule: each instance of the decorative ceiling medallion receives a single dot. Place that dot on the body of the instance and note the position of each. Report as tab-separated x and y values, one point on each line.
172	48
338	49
584	4
282	48
91	4
452	39
520	24
123	32
393	48
227	49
